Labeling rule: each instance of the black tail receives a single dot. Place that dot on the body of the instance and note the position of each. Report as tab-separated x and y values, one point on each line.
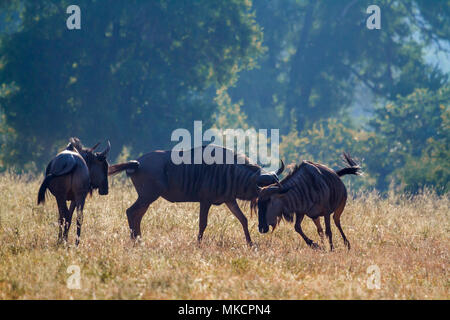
352	168
130	166
43	188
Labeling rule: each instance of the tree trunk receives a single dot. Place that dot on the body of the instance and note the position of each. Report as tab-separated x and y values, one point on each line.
299	90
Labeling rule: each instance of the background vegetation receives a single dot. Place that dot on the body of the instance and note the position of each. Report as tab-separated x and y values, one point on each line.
137	70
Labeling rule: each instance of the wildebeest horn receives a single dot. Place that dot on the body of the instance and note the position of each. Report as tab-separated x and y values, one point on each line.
281	169
265	193
270	178
94	147
105	152
266	179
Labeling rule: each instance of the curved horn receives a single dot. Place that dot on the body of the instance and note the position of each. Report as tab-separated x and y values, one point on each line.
105	152
266	179
265	193
94	147
281	169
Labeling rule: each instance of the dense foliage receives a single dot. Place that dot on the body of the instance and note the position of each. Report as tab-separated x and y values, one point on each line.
133	73
138	70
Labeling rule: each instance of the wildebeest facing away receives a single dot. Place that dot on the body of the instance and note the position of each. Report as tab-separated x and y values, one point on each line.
154	175
70	176
312	189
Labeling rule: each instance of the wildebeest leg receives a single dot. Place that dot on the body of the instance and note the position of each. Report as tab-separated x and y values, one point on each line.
63	212
298	227
319	227
68	220
136	212
203	219
337	222
234	208
80	207
328	231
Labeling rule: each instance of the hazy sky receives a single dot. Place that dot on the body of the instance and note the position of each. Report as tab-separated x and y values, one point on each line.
440	57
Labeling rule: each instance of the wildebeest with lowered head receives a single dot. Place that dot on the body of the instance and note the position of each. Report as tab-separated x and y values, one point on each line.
312	189
155	175
70	176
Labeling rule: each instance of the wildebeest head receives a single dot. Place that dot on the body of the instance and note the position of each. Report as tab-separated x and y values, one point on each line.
98	169
265	179
97	165
270	206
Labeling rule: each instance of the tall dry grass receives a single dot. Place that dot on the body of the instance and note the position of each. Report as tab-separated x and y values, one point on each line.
407	238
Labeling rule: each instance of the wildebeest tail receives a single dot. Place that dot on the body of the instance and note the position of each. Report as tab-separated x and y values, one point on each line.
43	188
351	168
129	166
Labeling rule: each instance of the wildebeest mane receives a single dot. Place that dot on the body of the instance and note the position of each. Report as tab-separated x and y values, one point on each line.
221	180
308	182
87	153
74	142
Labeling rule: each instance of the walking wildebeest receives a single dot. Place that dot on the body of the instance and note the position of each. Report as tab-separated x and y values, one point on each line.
312	189
70	176
155	175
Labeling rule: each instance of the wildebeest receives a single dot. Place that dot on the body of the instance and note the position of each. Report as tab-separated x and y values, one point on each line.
155	175
70	176
312	189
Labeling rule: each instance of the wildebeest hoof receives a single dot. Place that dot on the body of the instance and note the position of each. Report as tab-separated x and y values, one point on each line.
315	246
136	241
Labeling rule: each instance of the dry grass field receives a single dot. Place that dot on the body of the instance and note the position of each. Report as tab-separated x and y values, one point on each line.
407	238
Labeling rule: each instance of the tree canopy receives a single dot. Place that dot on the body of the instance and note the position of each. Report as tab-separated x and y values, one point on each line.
137	70
133	73
319	51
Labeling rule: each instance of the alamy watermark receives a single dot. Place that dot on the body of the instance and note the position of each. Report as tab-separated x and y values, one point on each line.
74	20
374	279
252	143
74	280
374	20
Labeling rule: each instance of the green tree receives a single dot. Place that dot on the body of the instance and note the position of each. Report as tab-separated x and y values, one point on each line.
412	139
134	72
318	51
